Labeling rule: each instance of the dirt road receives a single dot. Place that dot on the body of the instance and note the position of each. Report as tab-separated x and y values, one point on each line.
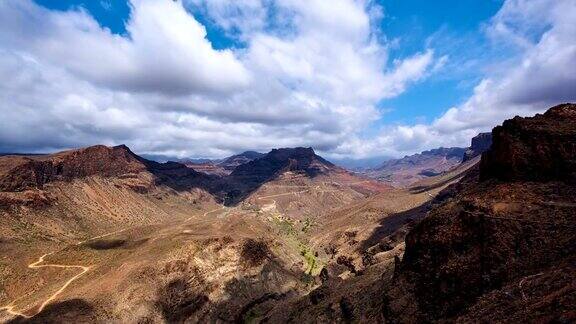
35	265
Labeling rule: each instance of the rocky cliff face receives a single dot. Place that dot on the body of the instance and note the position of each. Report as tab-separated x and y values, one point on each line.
20	173
480	144
492	248
540	148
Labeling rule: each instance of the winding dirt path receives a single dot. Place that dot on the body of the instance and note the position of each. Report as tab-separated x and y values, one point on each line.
10	308
35	265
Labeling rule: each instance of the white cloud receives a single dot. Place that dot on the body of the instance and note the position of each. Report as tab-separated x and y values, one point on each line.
166	53
236	17
310	74
542	74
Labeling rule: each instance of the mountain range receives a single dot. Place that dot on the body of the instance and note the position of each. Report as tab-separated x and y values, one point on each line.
101	234
410	169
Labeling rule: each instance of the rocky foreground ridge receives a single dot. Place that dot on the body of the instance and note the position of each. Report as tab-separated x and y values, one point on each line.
492	247
500	245
541	148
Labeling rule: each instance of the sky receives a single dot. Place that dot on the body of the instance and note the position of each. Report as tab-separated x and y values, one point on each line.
354	79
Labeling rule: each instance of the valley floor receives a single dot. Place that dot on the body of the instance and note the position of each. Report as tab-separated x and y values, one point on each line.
223	263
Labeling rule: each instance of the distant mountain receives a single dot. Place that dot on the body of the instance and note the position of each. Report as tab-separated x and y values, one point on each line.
360	164
222	167
19	173
480	144
230	163
198	161
166	158
410	169
300	159
299	168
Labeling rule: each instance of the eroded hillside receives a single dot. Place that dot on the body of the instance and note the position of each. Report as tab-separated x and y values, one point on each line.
102	235
498	246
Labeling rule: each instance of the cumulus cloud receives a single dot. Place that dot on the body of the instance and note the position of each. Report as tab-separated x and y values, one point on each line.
309	73
167	51
542	74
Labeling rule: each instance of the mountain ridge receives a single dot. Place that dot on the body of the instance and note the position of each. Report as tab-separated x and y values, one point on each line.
406	171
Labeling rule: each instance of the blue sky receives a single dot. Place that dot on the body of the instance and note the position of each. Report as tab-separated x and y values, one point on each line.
111	14
414	23
355	79
411	23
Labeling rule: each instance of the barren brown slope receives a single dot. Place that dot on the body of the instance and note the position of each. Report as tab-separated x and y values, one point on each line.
48	202
160	222
82	192
489	250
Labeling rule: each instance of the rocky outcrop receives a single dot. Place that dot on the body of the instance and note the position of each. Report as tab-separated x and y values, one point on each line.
19	173
480	144
277	161
250	176
540	148
499	236
34	172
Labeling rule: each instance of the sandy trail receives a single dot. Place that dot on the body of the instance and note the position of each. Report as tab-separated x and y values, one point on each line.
35	265
10	308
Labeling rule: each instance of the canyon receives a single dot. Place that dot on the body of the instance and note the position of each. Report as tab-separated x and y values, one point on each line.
101	234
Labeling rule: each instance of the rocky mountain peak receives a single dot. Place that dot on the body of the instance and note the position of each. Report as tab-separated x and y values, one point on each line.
18	173
538	148
24	172
480	144
298	159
